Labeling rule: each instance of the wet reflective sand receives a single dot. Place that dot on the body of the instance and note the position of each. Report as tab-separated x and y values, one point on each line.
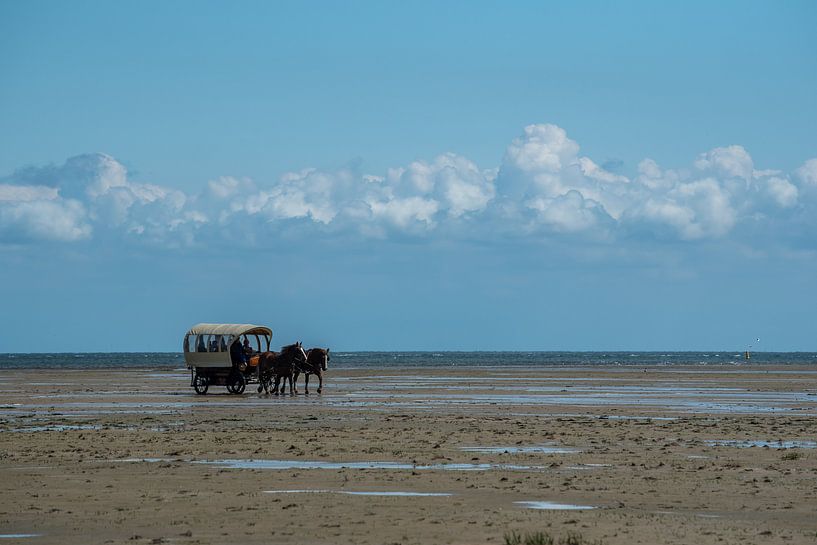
308	464
732	395
552	506
760	443
543	449
391	493
670	455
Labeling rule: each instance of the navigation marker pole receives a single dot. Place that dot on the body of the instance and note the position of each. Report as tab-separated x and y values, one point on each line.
746	354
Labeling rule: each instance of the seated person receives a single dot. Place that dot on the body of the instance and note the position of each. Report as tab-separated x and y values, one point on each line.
247	348
237	356
214	345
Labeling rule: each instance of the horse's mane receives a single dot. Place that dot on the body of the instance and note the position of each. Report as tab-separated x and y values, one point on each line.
289	348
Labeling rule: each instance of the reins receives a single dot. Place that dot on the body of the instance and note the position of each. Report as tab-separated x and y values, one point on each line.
301	367
305	366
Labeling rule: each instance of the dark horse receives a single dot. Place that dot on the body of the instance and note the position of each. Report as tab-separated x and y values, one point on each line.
279	365
317	360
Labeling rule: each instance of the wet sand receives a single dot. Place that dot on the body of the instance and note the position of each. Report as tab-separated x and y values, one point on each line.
700	455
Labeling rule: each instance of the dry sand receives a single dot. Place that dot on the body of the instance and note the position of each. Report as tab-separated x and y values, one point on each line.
111	457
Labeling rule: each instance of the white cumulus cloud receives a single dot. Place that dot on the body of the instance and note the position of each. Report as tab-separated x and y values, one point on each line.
808	172
454	183
37	219
729	161
782	191
544	187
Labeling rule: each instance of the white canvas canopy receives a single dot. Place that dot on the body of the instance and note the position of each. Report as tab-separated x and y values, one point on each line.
208	345
229	329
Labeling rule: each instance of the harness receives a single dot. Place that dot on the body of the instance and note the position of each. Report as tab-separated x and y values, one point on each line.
300	366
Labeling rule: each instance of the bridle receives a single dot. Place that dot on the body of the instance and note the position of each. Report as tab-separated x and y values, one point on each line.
306	367
300	360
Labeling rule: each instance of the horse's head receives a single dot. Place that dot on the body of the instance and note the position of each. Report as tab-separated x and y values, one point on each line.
318	357
294	351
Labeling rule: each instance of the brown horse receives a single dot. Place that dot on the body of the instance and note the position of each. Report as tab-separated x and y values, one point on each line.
317	360
279	365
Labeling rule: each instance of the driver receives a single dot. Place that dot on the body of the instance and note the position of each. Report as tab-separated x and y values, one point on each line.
236	354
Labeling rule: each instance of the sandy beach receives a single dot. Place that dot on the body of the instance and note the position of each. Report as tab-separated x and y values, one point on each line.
715	454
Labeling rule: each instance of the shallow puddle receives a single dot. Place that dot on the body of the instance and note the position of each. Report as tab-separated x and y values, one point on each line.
716	401
542	449
769	444
57	427
552	506
630	417
185	376
360	493
86	414
18	536
397	493
98	405
150	460
300	464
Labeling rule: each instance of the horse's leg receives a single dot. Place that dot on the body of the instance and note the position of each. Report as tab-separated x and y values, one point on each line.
306	383
320	380
291	390
275	388
295	380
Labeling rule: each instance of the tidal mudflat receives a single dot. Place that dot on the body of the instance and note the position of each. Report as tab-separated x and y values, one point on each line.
675	455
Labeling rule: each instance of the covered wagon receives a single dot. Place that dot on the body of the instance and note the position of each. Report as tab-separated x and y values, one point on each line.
224	355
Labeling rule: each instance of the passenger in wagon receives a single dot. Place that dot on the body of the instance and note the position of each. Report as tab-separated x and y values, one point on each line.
247	348
214	344
237	356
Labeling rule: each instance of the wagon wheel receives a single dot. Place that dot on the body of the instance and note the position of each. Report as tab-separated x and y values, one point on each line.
236	383
265	382
200	384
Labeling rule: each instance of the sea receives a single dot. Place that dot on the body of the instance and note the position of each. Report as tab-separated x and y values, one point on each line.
352	360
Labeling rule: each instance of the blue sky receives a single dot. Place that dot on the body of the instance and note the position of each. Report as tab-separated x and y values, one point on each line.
460	175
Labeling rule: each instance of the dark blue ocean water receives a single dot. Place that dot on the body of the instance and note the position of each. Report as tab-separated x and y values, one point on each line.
425	359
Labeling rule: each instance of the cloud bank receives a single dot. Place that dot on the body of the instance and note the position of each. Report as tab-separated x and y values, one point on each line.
543	189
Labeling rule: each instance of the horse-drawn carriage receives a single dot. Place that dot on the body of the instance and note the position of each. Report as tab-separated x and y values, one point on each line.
216	355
